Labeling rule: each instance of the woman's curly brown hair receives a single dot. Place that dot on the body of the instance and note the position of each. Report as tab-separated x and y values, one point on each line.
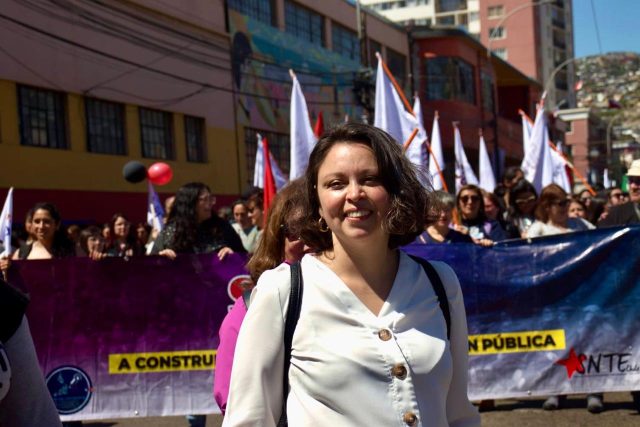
408	198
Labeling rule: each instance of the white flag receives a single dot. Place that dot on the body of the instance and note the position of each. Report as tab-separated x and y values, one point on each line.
560	176
464	172
487	179
526	132
606	182
423	139
303	139
155	211
538	164
436	159
392	117
6	218
258	171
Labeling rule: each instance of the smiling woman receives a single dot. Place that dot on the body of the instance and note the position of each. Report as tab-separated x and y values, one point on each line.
364	307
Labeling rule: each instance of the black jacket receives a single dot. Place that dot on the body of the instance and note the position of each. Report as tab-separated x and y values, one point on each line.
623	214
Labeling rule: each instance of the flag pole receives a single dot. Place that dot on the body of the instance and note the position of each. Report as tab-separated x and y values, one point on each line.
435	161
409	140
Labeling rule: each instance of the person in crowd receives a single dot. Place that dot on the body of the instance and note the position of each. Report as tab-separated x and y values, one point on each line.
91	243
225	213
51	239
24	398
366	305
73	232
494	210
524	199
629	212
280	243
577	209
193	229
255	206
243	225
615	196
106	232
168	206
552	214
28	223
473	219
144	237
512	175
585	197
438	222
122	242
626	214
597	209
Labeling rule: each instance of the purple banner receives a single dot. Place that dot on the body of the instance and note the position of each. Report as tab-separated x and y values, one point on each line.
120	338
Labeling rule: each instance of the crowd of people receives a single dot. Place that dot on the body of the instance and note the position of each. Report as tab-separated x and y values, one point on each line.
344	222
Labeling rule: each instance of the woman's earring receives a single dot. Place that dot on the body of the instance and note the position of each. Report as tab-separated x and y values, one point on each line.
322	225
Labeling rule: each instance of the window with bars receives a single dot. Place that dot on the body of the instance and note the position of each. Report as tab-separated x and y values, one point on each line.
450	78
194	135
345	42
105	127
303	23
261	10
496	33
278	145
156	133
42	118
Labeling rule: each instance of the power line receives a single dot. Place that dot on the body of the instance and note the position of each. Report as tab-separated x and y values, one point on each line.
595	22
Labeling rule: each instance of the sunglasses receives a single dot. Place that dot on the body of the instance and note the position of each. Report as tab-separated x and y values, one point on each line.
616	195
634	180
473	199
562	203
525	201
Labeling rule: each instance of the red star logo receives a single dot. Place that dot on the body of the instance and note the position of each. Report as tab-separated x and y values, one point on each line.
573	363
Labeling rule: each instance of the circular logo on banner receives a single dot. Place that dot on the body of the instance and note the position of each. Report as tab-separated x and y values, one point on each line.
234	287
70	388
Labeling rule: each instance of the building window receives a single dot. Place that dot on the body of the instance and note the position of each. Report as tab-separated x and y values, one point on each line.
487	92
446	20
278	145
500	52
105	127
156	133
397	64
261	10
194	135
450	5
496	33
345	42
495	12
42	118
303	23
450	78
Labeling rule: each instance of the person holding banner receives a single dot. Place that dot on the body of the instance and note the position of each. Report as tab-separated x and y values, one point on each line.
50	239
371	345
552	214
438	228
474	221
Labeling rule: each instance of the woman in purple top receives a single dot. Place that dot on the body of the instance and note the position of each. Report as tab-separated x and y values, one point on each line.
280	242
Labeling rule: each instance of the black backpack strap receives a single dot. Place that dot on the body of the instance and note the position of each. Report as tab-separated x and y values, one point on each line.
438	287
293	314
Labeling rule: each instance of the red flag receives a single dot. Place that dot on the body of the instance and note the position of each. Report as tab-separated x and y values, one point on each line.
319	129
269	181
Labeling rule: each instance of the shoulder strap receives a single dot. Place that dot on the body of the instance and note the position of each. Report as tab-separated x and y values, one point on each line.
438	287
293	314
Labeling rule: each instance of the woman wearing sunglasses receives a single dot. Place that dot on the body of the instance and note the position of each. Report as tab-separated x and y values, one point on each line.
473	218
552	214
523	200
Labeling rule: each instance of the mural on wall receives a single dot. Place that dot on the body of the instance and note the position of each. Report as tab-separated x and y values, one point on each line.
261	58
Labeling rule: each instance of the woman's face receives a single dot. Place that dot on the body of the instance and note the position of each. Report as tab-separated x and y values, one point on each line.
203	206
294	247
525	202
353	201
443	218
141	234
490	209
469	203
558	211
255	214
43	226
121	228
95	244
576	210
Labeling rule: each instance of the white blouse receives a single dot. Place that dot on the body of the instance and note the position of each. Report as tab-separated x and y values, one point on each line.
350	367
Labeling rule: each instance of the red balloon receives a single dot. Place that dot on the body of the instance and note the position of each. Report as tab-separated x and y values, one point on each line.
159	173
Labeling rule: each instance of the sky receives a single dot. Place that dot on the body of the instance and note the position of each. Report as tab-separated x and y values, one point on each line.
618	22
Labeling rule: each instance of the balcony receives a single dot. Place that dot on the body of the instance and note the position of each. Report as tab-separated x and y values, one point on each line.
559	23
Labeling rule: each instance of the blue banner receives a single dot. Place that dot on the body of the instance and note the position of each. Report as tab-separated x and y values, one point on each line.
551	315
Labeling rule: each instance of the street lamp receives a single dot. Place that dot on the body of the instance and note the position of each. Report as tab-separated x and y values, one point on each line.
511	12
609	147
